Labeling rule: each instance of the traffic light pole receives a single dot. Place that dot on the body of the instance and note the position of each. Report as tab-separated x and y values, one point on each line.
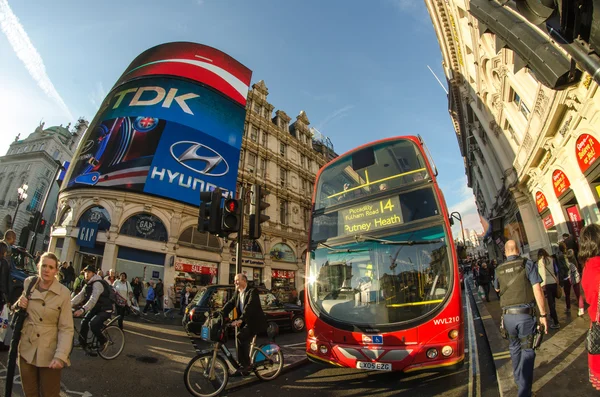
240	235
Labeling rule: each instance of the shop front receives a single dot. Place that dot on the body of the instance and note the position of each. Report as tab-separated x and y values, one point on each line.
253	262
90	251
587	150
283	273
193	272
544	211
568	202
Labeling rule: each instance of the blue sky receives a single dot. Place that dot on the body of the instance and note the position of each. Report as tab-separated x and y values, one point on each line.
357	68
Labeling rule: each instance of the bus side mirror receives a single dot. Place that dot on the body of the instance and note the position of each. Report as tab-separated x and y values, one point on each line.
451	221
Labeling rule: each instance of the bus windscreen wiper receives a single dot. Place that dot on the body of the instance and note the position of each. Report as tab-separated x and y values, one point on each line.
337	250
400	242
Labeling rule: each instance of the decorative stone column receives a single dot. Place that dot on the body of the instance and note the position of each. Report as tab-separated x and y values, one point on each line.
534	229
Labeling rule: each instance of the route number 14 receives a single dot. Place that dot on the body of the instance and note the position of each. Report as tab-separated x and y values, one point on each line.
388	206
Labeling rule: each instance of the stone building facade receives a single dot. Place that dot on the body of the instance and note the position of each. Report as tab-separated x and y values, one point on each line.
152	237
526	124
34	161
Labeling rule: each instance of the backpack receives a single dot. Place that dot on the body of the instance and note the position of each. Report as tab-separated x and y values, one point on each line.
113	296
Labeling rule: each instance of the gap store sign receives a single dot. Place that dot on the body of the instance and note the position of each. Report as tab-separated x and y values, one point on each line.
172	126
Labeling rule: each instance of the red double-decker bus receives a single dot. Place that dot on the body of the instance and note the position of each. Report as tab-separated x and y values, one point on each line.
382	281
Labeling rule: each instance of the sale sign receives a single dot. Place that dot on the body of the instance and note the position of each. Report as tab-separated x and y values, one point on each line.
560	182
575	220
541	202
548	222
587	150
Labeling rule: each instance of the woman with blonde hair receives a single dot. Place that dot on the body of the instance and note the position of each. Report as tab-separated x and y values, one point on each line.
47	335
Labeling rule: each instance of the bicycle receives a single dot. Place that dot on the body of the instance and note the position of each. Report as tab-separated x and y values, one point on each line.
207	374
113	334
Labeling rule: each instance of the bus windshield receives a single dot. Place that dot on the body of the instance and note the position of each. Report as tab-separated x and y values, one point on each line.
373	169
378	281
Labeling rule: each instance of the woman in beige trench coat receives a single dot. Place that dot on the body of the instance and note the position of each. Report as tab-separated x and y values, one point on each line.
47	336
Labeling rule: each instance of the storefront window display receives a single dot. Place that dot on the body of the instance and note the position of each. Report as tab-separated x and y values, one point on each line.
282	252
283	285
145	226
97	215
195	273
254	274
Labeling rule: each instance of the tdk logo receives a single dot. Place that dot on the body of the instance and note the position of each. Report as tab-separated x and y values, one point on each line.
154	96
200	158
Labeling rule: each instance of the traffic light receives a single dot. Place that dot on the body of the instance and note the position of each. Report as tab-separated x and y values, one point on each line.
258	217
231	216
41	226
31	224
209	215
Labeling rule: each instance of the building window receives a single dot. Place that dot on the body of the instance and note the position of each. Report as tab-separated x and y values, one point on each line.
282	176
256	108
283	212
282	148
512	132
145	226
265	139
241	165
42	146
302	160
36	200
262	166
28	166
55	154
254	134
8	188
520	105
303	185
251	162
308	165
98	215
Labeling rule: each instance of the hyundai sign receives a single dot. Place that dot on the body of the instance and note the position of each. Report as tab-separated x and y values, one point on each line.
171	126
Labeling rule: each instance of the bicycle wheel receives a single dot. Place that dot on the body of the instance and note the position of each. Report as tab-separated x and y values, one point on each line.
267	361
196	376
115	345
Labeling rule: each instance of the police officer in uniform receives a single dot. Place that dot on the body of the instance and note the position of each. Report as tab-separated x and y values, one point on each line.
518	283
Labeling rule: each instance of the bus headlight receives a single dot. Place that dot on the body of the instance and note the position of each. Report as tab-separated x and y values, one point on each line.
313	347
323	349
447	351
453	334
311	333
432	353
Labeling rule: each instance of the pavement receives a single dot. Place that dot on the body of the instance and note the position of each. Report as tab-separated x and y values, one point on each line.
155	356
561	361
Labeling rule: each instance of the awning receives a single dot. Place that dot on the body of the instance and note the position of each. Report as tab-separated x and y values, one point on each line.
534	49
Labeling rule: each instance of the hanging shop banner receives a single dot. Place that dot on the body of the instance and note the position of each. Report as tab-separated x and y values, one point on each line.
587	150
193	266
88	231
282	274
171	127
560	182
575	220
548	222
541	202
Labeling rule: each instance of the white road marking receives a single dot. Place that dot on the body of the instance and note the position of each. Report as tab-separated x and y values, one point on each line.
474	353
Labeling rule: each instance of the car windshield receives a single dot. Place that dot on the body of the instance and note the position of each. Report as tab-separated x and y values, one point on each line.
23	261
377	281
198	296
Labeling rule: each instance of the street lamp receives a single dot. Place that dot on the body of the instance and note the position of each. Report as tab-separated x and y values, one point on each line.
21	196
59	167
457	216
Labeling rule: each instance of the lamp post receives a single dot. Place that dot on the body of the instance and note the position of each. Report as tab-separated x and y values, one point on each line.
457	216
21	196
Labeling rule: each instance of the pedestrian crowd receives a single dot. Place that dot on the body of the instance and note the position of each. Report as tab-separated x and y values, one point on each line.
528	291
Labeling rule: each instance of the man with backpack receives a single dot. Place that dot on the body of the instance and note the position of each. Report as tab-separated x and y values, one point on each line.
95	302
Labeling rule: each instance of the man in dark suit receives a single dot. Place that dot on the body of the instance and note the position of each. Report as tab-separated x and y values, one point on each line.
251	320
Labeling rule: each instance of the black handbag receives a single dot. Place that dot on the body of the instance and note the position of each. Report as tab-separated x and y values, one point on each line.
592	341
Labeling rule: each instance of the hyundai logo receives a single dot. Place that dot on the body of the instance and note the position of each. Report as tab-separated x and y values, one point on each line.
200	158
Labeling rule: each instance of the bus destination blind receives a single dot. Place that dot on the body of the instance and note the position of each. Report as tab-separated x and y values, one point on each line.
370	216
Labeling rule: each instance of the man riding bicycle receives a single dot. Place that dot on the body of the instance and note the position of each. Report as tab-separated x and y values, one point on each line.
251	321
97	308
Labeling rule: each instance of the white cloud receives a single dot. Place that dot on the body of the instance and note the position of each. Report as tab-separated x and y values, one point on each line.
466	207
98	95
335	115
26	52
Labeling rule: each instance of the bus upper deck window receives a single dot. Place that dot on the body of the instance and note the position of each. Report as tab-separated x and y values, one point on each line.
363	158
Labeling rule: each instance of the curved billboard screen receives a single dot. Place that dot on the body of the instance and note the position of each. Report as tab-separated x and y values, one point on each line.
172	126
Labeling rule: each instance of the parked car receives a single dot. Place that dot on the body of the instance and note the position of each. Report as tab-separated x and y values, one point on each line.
21	267
214	297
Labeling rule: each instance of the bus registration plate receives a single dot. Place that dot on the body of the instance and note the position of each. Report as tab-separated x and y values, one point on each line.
374	366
